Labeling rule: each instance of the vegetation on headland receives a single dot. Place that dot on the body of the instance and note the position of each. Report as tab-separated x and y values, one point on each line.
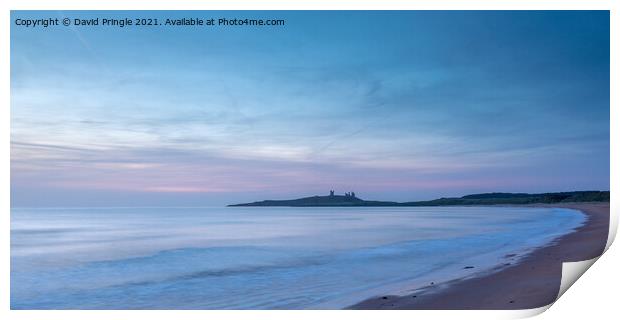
350	200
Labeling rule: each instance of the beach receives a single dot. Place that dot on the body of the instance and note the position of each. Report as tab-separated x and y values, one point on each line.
530	282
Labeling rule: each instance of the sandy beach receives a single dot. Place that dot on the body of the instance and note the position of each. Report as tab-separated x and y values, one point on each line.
531	282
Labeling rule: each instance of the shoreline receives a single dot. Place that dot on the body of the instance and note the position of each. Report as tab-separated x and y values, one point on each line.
532	282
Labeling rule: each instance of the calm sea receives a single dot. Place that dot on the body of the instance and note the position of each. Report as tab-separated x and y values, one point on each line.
259	258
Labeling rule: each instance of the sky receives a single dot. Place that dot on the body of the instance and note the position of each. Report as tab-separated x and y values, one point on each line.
393	105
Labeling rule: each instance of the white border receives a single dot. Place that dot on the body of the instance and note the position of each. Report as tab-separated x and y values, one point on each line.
312	5
587	302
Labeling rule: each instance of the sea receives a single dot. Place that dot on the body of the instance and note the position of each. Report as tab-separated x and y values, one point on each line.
261	257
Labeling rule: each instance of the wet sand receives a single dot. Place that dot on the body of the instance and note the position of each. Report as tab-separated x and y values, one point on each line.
532	282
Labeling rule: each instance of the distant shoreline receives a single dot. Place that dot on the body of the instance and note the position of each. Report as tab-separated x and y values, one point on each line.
532	282
496	198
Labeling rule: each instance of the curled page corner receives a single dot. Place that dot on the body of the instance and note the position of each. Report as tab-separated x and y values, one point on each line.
613	226
571	271
528	313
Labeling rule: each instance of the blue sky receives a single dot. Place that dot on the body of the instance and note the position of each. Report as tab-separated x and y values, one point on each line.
393	105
